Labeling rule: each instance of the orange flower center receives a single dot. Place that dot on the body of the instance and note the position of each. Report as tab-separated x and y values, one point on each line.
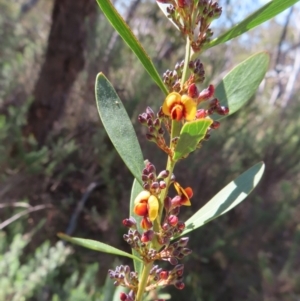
177	112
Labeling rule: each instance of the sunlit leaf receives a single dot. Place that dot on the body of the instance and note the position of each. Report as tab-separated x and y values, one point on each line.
190	136
127	35
265	13
230	196
95	245
118	126
240	83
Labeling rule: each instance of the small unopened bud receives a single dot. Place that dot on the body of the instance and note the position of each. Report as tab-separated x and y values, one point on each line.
142	119
150	112
146	186
144	178
214	103
173	260
129	222
178	270
206	93
165	227
173	178
160	113
156	123
201	113
151	138
152	176
223	110
167	203
164	275
147	236
179	285
123	296
186	251
151	168
154	185
173	220
176	201
163	174
193	91
182	242
215	125
162	184
181	226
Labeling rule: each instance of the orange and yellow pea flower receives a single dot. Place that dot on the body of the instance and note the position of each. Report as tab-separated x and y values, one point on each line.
184	193
146	204
179	107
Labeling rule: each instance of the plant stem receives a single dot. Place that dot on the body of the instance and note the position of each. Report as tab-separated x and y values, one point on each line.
186	62
143	281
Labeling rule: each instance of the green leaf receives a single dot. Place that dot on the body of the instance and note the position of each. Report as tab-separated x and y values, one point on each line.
190	136
240	83
96	246
118	126
135	190
265	13
129	38
230	196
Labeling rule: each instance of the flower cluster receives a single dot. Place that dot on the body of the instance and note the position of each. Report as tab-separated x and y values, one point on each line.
194	16
155	223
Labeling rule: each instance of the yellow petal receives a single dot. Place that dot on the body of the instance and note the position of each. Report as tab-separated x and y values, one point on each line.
170	101
190	107
184	195
152	207
143	196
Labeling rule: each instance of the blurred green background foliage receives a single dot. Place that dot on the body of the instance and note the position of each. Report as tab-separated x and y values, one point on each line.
60	173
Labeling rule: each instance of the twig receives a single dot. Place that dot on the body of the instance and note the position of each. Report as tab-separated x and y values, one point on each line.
73	221
16	204
22	213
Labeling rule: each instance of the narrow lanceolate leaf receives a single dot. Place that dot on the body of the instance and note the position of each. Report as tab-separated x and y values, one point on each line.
265	13
135	190
240	83
118	126
129	38
95	245
230	196
190	136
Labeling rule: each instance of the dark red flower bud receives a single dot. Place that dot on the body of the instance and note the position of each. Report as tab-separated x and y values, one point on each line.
193	91
129	222
215	125
141	119
164	275
167	203
147	236
154	185
181	226
179	285
163	174
173	220
162	184
182	242
223	110
201	113
150	112
176	201
151	138
123	296
206	93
